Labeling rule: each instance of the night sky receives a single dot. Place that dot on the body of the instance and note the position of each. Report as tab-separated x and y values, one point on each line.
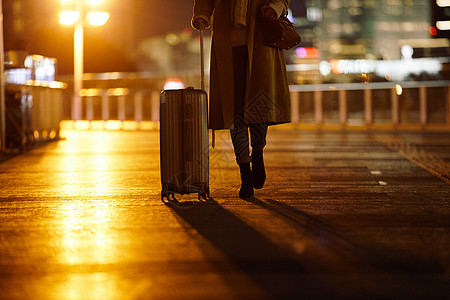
174	15
102	53
158	18
162	17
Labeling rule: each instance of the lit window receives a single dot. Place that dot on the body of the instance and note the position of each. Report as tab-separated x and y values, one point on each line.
314	14
443	25
443	3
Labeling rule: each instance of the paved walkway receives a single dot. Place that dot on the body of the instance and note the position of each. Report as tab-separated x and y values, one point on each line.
343	215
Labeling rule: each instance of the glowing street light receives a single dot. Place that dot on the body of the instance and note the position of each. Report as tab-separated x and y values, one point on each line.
77	18
68	17
97	18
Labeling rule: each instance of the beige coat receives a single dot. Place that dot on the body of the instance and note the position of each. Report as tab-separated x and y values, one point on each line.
267	93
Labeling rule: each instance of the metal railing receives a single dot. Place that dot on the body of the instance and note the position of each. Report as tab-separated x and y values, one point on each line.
33	113
382	105
385	105
47	111
421	105
114	108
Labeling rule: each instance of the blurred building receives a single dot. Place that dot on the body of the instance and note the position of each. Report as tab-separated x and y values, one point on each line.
369	29
367	40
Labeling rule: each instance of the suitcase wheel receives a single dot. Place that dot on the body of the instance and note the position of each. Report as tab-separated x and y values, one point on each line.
205	196
165	194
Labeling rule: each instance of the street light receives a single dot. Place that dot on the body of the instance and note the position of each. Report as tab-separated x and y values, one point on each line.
77	17
68	17
97	18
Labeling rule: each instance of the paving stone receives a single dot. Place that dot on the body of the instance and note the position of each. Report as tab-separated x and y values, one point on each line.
343	215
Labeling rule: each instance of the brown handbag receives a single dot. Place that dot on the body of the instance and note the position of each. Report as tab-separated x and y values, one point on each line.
280	33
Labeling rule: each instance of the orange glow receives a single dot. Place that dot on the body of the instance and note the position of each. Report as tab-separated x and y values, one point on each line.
37	57
173	84
94	2
97	18
57	85
91	92
334	64
118	92
398	89
68	17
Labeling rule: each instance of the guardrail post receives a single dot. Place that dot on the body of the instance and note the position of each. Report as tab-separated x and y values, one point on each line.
155	106
368	107
343	109
89	108
318	107
121	108
58	104
295	107
48	110
423	105
52	110
138	107
37	110
395	107
105	106
43	119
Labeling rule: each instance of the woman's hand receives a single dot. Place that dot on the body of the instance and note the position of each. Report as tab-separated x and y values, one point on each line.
200	23
268	13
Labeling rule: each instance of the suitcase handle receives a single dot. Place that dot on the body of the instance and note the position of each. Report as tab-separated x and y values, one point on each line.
202	62
202	67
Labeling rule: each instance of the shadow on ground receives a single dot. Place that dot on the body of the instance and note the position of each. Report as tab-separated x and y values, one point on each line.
281	273
272	269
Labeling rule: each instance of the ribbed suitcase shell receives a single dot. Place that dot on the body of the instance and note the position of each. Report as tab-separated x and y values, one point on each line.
184	142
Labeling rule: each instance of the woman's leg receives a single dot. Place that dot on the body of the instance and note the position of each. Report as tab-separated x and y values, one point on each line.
258	134
239	134
239	137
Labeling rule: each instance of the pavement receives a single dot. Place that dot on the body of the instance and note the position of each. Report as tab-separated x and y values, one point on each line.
343	215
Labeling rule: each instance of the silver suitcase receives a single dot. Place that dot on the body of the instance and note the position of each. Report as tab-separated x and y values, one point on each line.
184	143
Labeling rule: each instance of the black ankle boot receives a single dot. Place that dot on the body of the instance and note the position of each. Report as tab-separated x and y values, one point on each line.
258	170
246	181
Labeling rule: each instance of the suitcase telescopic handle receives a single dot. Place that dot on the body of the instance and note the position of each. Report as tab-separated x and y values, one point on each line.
202	62
202	67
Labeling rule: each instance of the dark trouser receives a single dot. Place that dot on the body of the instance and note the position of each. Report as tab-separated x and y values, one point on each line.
239	135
